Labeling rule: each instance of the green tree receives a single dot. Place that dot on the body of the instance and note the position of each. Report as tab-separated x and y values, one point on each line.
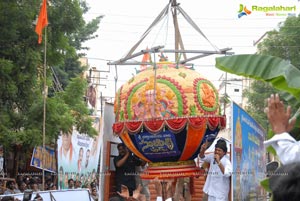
68	31
21	71
283	43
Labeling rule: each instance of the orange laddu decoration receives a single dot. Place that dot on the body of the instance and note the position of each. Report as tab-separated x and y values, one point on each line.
164	116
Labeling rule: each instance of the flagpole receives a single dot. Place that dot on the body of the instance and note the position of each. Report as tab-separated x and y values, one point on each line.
45	94
42	23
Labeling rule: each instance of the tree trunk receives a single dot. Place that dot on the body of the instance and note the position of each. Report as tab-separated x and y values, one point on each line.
16	161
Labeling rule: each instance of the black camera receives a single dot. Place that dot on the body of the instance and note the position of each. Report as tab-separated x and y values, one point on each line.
27	195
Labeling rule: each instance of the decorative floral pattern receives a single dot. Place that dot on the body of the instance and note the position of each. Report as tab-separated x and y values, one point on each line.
174	124
175	91
205	95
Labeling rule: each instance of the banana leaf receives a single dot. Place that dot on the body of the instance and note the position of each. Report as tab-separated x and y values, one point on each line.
265	184
280	73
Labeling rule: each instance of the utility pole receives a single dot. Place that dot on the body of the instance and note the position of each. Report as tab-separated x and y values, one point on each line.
225	94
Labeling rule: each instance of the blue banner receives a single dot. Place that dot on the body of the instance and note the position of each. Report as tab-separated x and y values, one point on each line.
154	146
49	158
249	156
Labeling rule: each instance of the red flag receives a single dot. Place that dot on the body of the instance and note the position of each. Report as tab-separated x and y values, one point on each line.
42	21
146	58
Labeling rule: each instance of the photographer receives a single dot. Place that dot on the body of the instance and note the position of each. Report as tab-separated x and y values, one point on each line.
125	164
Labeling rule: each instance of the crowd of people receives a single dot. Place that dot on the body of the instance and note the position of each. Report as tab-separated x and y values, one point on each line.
34	183
23	183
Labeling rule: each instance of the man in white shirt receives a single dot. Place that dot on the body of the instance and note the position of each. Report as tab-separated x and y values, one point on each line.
218	179
286	147
67	154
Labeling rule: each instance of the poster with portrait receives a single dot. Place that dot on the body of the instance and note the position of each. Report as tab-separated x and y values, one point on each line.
78	156
49	158
249	156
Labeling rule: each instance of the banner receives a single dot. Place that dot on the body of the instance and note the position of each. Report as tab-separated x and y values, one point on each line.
78	156
153	146
249	156
49	158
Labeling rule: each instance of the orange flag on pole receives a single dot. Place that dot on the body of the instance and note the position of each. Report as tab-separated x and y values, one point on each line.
146	58
42	21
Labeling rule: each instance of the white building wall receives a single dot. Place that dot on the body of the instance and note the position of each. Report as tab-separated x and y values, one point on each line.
106	128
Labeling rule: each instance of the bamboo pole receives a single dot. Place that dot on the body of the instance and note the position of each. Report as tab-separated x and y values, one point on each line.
45	93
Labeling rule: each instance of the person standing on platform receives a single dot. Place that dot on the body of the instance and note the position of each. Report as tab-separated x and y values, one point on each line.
218	180
125	164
